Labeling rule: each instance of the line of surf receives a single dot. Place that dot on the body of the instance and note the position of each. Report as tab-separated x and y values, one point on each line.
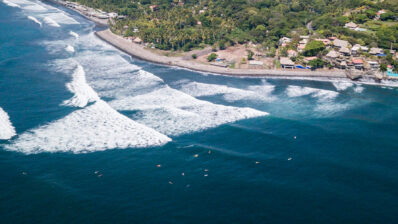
7	130
35	20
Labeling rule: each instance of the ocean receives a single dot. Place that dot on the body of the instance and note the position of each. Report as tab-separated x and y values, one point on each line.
92	135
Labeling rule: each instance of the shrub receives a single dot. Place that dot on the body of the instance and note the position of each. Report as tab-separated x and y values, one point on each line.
194	56
212	57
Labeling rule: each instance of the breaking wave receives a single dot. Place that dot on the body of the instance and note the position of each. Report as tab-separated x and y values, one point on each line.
95	128
297	91
172	112
7	131
35	20
84	94
11	4
51	22
74	34
70	49
230	94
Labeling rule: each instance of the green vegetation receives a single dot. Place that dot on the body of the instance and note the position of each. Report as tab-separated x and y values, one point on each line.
313	48
212	57
184	25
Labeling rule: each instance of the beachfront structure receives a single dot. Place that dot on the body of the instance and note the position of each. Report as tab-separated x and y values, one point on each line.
355	49
287	63
137	40
375	51
374	65
340	43
345	51
358	63
332	54
351	26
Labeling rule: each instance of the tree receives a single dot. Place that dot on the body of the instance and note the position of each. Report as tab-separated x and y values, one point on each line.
212	57
317	63
250	55
383	67
313	47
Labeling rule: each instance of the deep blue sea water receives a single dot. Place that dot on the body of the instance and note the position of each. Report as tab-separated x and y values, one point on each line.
143	143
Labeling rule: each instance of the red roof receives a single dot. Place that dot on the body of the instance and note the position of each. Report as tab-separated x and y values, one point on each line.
357	61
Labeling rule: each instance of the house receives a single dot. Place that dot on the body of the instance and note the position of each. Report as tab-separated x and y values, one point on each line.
112	15
301	47
345	51
379	13
292	53
358	63
340	43
256	64
351	26
375	51
364	49
374	65
332	55
287	63
326	42
284	41
355	49
340	64
137	40
305	37
154	7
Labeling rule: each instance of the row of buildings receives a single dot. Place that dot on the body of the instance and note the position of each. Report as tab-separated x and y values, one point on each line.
341	55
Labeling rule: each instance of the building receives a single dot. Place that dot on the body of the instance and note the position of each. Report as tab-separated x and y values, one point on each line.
154	8
358	63
351	26
355	49
332	55
340	43
287	63
112	15
374	65
375	51
301	47
292	53
345	51
137	40
284	41
326	42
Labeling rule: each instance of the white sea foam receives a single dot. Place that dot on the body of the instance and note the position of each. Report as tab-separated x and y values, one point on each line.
84	94
74	34
297	91
359	88
230	94
11	4
172	112
7	131
60	18
95	128
70	48
341	85
35	20
51	22
34	7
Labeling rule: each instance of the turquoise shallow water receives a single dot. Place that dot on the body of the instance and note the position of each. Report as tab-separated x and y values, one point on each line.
326	153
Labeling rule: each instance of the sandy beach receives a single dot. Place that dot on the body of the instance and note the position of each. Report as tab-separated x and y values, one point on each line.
139	51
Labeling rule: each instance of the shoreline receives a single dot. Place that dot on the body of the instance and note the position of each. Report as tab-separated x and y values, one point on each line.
138	51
